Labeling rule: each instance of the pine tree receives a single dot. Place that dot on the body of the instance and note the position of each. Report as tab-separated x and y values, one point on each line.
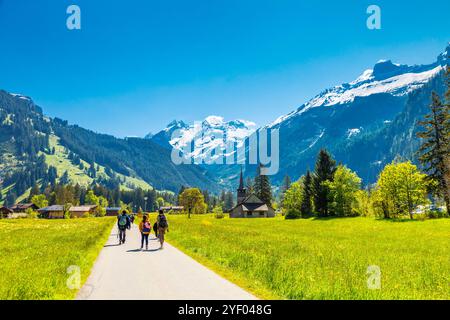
228	203
306	204
10	199
434	153
324	171
263	189
284	187
65	178
34	191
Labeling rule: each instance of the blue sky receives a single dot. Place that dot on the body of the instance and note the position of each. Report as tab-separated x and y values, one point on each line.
136	65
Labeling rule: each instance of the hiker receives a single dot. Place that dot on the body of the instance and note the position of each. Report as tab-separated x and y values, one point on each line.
145	228
123	223
162	227
132	219
155	229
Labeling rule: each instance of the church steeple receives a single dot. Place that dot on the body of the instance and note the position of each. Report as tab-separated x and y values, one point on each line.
241	192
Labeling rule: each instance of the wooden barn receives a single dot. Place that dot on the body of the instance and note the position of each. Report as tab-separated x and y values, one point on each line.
173	209
80	211
52	212
5	212
22	207
112	211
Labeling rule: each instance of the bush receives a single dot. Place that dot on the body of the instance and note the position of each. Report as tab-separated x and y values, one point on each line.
293	214
218	212
31	213
436	214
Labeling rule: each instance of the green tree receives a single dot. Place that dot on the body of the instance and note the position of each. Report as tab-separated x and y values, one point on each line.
434	152
306	199
191	199
34	191
284	187
100	211
344	188
218	212
262	187
228	202
10	199
40	200
293	200
160	201
323	172
91	198
400	189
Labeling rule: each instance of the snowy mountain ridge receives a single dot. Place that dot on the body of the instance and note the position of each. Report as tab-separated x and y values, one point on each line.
385	77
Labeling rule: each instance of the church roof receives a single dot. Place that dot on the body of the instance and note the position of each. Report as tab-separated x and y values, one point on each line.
252	203
255	207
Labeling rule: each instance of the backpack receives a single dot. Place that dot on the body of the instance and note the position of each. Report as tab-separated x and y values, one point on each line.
162	222
123	221
146	227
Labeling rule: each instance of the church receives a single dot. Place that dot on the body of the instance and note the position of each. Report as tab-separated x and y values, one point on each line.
250	206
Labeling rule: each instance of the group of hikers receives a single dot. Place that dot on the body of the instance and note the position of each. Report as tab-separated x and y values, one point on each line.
124	222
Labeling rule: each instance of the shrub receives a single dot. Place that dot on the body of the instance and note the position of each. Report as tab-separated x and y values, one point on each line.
293	214
31	213
218	212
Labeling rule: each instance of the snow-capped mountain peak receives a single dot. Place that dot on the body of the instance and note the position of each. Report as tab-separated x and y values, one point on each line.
211	133
385	77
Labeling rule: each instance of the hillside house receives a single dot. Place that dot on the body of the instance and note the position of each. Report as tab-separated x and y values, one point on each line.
173	209
23	207
5	212
52	212
250	206
80	211
112	211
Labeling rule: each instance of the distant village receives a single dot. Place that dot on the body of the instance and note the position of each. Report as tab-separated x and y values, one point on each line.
248	205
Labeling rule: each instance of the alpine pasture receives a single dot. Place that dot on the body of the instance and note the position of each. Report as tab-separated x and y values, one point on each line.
35	255
322	258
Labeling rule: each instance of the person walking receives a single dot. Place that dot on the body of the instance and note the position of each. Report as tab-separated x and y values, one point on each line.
145	227
163	226
123	223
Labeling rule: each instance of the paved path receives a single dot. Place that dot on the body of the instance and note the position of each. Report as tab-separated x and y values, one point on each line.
125	272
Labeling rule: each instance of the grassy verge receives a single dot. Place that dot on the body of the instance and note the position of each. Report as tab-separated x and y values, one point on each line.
35	255
322	259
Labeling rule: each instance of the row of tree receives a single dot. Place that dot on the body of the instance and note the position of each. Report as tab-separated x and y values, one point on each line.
135	200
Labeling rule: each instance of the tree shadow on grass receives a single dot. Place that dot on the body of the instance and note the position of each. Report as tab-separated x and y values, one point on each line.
400	220
333	218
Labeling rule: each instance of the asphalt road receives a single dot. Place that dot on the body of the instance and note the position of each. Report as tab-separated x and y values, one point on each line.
125	272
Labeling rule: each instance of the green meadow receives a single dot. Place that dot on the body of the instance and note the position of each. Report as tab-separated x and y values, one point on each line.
35	255
322	258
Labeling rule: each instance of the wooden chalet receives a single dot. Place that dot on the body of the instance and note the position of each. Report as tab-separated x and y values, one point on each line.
5	212
112	211
23	207
52	212
80	211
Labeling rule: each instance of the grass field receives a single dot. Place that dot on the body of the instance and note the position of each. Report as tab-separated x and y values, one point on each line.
35	255
322	259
